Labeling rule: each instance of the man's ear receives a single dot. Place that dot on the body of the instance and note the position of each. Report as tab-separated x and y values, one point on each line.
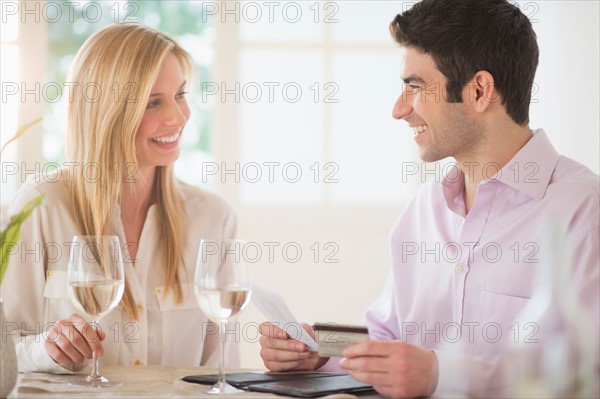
480	91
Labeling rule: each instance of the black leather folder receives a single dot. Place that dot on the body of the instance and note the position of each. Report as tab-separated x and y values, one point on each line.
302	384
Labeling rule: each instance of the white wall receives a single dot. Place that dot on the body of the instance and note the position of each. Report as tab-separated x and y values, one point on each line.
568	78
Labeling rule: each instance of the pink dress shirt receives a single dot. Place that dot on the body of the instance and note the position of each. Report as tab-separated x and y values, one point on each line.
458	281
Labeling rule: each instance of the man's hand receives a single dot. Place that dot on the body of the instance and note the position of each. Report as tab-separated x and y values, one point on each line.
70	341
395	369
281	353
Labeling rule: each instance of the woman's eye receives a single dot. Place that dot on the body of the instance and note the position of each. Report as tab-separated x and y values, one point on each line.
152	104
156	103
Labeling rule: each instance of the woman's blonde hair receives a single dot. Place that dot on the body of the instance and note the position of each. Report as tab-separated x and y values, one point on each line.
111	78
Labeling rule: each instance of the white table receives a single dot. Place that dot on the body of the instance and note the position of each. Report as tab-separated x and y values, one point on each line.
150	381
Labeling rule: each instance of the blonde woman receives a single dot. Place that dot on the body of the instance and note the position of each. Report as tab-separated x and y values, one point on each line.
126	114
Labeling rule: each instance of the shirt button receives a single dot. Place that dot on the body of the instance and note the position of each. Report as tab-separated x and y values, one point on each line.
158	290
453	329
139	308
137	362
459	268
49	274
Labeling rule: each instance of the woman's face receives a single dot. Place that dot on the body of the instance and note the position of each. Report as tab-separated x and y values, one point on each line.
167	111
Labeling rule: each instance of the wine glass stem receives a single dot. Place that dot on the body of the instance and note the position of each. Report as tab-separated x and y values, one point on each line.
222	348
95	375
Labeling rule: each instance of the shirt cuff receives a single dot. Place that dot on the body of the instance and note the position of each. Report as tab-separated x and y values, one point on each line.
460	374
42	362
450	379
333	365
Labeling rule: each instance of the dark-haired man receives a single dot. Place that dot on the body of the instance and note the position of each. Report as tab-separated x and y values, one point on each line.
442	326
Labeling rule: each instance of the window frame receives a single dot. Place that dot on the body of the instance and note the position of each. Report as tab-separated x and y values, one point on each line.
31	42
272	219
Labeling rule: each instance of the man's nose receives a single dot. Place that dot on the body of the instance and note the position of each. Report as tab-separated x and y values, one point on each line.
403	106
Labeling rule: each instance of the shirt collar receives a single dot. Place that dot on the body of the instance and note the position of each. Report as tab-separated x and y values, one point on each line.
529	171
453	186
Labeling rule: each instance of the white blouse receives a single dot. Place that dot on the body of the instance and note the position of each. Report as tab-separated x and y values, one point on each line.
35	293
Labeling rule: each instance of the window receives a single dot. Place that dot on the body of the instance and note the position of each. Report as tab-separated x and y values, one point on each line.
20	95
9	76
182	20
312	117
58	29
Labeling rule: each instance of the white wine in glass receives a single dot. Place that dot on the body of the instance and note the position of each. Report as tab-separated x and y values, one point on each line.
223	287
96	282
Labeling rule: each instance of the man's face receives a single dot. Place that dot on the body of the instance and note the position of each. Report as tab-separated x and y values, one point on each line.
441	129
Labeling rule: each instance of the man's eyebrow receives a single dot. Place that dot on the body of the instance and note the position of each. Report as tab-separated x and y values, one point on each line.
413	79
160	94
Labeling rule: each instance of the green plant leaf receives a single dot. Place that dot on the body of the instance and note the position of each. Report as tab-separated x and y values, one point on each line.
10	236
20	132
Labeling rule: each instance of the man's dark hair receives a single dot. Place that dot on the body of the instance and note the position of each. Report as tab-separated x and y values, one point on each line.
467	36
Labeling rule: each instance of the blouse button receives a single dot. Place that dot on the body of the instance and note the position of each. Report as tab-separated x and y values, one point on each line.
137	362
459	268
139	308
49	274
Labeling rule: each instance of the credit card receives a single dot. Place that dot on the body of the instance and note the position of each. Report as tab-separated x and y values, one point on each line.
333	338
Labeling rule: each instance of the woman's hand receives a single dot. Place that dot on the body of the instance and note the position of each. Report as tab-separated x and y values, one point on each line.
72	340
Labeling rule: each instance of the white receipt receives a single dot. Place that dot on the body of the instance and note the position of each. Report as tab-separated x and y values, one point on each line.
273	307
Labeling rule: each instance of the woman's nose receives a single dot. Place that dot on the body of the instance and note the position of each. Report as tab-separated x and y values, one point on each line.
177	114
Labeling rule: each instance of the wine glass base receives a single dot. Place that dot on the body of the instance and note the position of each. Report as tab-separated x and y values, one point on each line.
100	382
222	389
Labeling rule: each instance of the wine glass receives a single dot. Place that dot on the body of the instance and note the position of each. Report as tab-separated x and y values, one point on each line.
223	288
96	282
